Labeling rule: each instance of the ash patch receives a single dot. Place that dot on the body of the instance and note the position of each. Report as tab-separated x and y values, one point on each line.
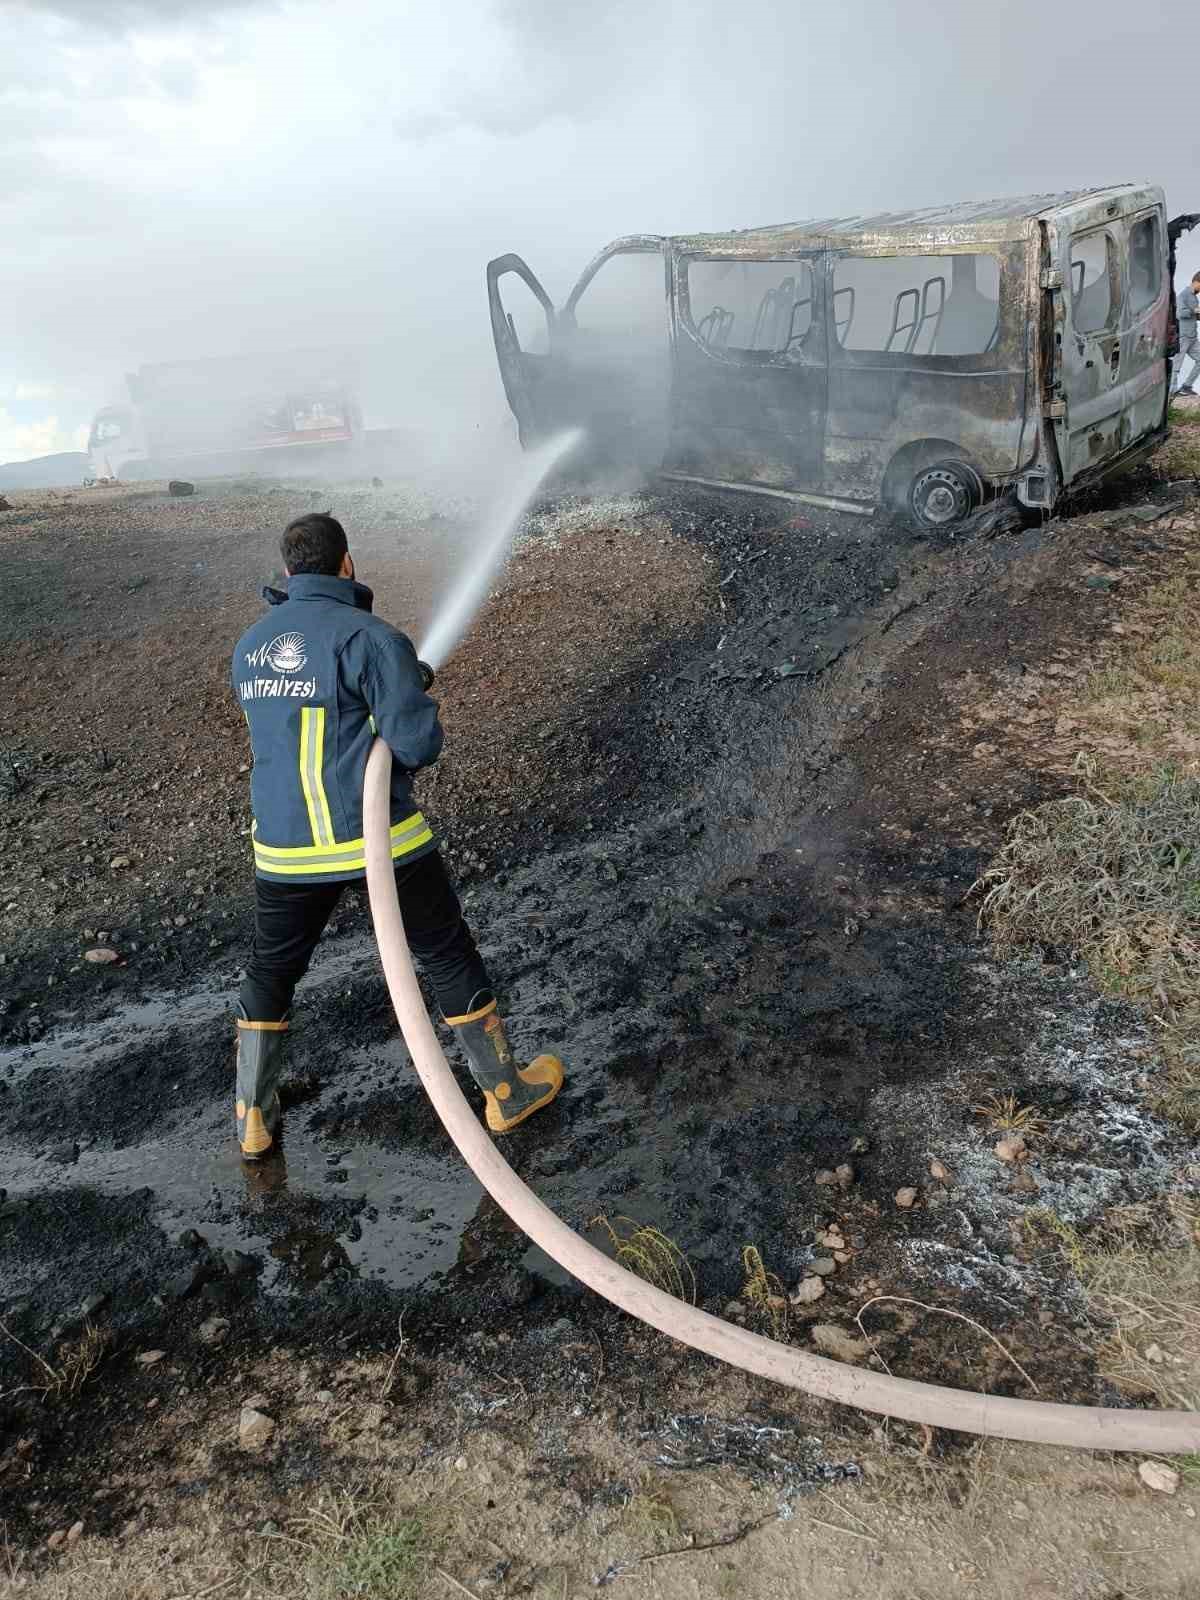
972	1270
770	1454
1083	1075
554	520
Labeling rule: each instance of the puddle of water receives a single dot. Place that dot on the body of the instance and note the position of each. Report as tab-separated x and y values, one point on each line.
398	1222
94	1043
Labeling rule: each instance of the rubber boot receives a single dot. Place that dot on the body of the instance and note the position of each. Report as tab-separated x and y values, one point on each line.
259	1067
511	1092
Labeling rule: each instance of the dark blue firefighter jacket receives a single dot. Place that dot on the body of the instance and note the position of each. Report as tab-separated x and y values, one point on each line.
318	677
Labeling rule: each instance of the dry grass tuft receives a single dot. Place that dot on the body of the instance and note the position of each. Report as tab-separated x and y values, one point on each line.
764	1292
79	1360
1180	456
1114	873
76	1363
1140	704
1040	1219
1004	1114
1151	1298
650	1255
650	1520
1143	1285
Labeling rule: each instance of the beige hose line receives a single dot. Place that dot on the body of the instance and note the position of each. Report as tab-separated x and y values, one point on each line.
1085	1427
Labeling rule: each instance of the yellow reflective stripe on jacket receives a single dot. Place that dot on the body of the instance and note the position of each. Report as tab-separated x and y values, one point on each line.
323	864
312	757
406	836
399	831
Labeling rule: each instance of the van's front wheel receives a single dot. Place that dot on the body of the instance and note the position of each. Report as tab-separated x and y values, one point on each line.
942	494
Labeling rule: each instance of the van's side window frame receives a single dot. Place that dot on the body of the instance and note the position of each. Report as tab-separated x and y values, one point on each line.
807	349
1154	221
923	308
1115	287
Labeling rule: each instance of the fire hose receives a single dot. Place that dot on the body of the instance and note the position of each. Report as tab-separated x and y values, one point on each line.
1036	1421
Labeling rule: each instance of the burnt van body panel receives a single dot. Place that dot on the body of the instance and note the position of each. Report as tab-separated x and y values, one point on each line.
922	360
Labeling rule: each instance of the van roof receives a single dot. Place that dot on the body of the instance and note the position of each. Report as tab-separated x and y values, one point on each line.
970	221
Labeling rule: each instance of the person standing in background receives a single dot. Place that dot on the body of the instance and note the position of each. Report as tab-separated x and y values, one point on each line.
1188	311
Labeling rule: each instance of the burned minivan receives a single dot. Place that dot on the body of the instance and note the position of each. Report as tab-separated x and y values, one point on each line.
922	362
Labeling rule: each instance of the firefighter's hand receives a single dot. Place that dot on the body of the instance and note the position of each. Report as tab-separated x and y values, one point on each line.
426	675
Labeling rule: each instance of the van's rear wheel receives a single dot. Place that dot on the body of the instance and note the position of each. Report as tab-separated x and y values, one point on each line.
943	494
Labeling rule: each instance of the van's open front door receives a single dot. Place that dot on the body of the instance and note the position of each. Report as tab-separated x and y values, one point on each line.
602	363
523	330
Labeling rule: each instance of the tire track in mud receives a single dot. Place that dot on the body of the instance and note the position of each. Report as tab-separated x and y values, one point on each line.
742	987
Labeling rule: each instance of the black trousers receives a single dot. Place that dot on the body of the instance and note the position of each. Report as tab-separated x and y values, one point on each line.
289	919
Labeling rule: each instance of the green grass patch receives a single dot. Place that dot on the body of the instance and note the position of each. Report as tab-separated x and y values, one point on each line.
386	1562
355	1546
1113	681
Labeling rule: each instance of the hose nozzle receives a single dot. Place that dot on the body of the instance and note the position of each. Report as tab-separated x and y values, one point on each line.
427	675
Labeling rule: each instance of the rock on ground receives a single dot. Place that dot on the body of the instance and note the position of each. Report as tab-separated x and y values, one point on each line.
1158	1476
255	1429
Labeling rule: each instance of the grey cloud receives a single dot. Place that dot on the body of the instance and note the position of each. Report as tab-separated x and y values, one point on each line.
178	79
568	62
112	14
382	161
607	40
419	126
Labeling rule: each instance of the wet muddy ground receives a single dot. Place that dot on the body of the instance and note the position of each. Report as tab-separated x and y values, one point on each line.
716	826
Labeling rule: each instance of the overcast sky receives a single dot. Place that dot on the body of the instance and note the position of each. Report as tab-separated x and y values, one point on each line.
189	177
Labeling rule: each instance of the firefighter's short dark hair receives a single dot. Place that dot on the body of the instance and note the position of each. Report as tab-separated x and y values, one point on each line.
314	543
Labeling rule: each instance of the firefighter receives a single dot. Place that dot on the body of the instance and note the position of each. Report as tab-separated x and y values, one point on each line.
318	678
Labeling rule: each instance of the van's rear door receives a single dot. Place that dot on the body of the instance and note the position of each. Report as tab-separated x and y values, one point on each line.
1146	324
1096	354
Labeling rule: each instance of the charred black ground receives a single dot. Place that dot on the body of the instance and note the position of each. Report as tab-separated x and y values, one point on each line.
731	890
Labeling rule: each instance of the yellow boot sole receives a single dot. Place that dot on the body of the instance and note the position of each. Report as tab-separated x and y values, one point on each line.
542	1070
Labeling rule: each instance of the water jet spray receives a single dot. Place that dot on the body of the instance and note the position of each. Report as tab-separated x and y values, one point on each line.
455	613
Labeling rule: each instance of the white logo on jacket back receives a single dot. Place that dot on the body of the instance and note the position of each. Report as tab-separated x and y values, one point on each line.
285	653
